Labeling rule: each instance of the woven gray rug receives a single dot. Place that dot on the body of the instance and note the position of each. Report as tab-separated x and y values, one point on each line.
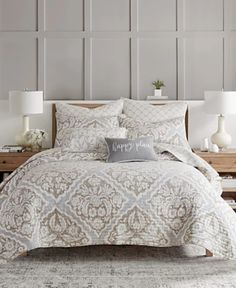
118	267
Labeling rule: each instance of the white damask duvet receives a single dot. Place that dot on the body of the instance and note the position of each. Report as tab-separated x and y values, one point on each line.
63	199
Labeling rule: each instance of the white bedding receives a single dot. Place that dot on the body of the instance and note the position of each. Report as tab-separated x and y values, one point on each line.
65	199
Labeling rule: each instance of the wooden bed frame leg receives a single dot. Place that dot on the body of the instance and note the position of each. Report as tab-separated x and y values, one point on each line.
208	253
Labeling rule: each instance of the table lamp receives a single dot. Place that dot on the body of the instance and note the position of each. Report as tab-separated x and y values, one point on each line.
220	103
25	103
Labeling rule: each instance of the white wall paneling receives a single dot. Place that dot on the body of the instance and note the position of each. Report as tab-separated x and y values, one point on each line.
232	14
110	78
18	64
232	71
20	15
100	49
110	15
64	71
64	15
203	59
157	15
204	15
152	65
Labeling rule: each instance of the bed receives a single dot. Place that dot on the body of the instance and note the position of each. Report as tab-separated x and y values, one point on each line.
60	198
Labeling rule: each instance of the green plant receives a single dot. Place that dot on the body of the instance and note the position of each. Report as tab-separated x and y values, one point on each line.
158	84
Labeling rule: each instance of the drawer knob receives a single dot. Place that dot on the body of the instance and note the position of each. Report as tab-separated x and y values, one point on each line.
210	162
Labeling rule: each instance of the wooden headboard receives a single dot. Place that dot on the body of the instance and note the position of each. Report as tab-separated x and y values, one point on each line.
92	106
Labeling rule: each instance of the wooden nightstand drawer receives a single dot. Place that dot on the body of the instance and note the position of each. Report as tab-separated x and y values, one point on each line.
222	164
10	161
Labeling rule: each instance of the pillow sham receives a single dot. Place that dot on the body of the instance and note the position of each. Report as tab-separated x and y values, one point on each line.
130	150
166	123
95	122
146	112
110	109
69	116
63	123
89	140
170	131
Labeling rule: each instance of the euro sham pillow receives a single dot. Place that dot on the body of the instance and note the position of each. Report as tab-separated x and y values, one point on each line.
89	140
166	123
130	150
146	112
69	116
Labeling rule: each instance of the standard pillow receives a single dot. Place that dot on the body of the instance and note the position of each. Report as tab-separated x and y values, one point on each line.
130	150
146	112
170	131
89	140
97	123
69	116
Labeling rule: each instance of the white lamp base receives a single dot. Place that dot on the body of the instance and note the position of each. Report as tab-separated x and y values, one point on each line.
25	123
20	138
221	138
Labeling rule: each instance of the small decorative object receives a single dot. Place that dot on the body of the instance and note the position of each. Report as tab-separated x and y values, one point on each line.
214	148
162	98
158	84
220	103
12	148
25	103
34	139
205	145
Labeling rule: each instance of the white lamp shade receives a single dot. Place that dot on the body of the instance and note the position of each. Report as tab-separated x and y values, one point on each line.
26	102
220	102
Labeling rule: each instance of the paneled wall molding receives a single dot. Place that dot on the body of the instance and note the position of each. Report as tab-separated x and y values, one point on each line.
107	49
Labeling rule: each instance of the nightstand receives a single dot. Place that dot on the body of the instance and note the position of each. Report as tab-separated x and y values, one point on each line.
224	163
10	161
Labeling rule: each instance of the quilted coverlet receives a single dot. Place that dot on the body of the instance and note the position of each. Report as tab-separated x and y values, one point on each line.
64	199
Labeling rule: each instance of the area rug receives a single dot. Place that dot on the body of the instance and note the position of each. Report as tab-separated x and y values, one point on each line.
118	267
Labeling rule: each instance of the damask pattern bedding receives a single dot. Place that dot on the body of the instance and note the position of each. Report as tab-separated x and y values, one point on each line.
64	199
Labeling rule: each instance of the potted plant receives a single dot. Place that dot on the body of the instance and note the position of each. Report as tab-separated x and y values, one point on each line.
158	84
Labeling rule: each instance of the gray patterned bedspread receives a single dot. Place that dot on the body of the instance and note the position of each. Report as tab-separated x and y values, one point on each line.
63	199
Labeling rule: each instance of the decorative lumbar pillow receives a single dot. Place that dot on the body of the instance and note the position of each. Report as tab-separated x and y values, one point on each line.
170	131
130	150
89	140
69	116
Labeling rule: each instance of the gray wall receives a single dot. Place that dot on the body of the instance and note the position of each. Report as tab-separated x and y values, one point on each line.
107	49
